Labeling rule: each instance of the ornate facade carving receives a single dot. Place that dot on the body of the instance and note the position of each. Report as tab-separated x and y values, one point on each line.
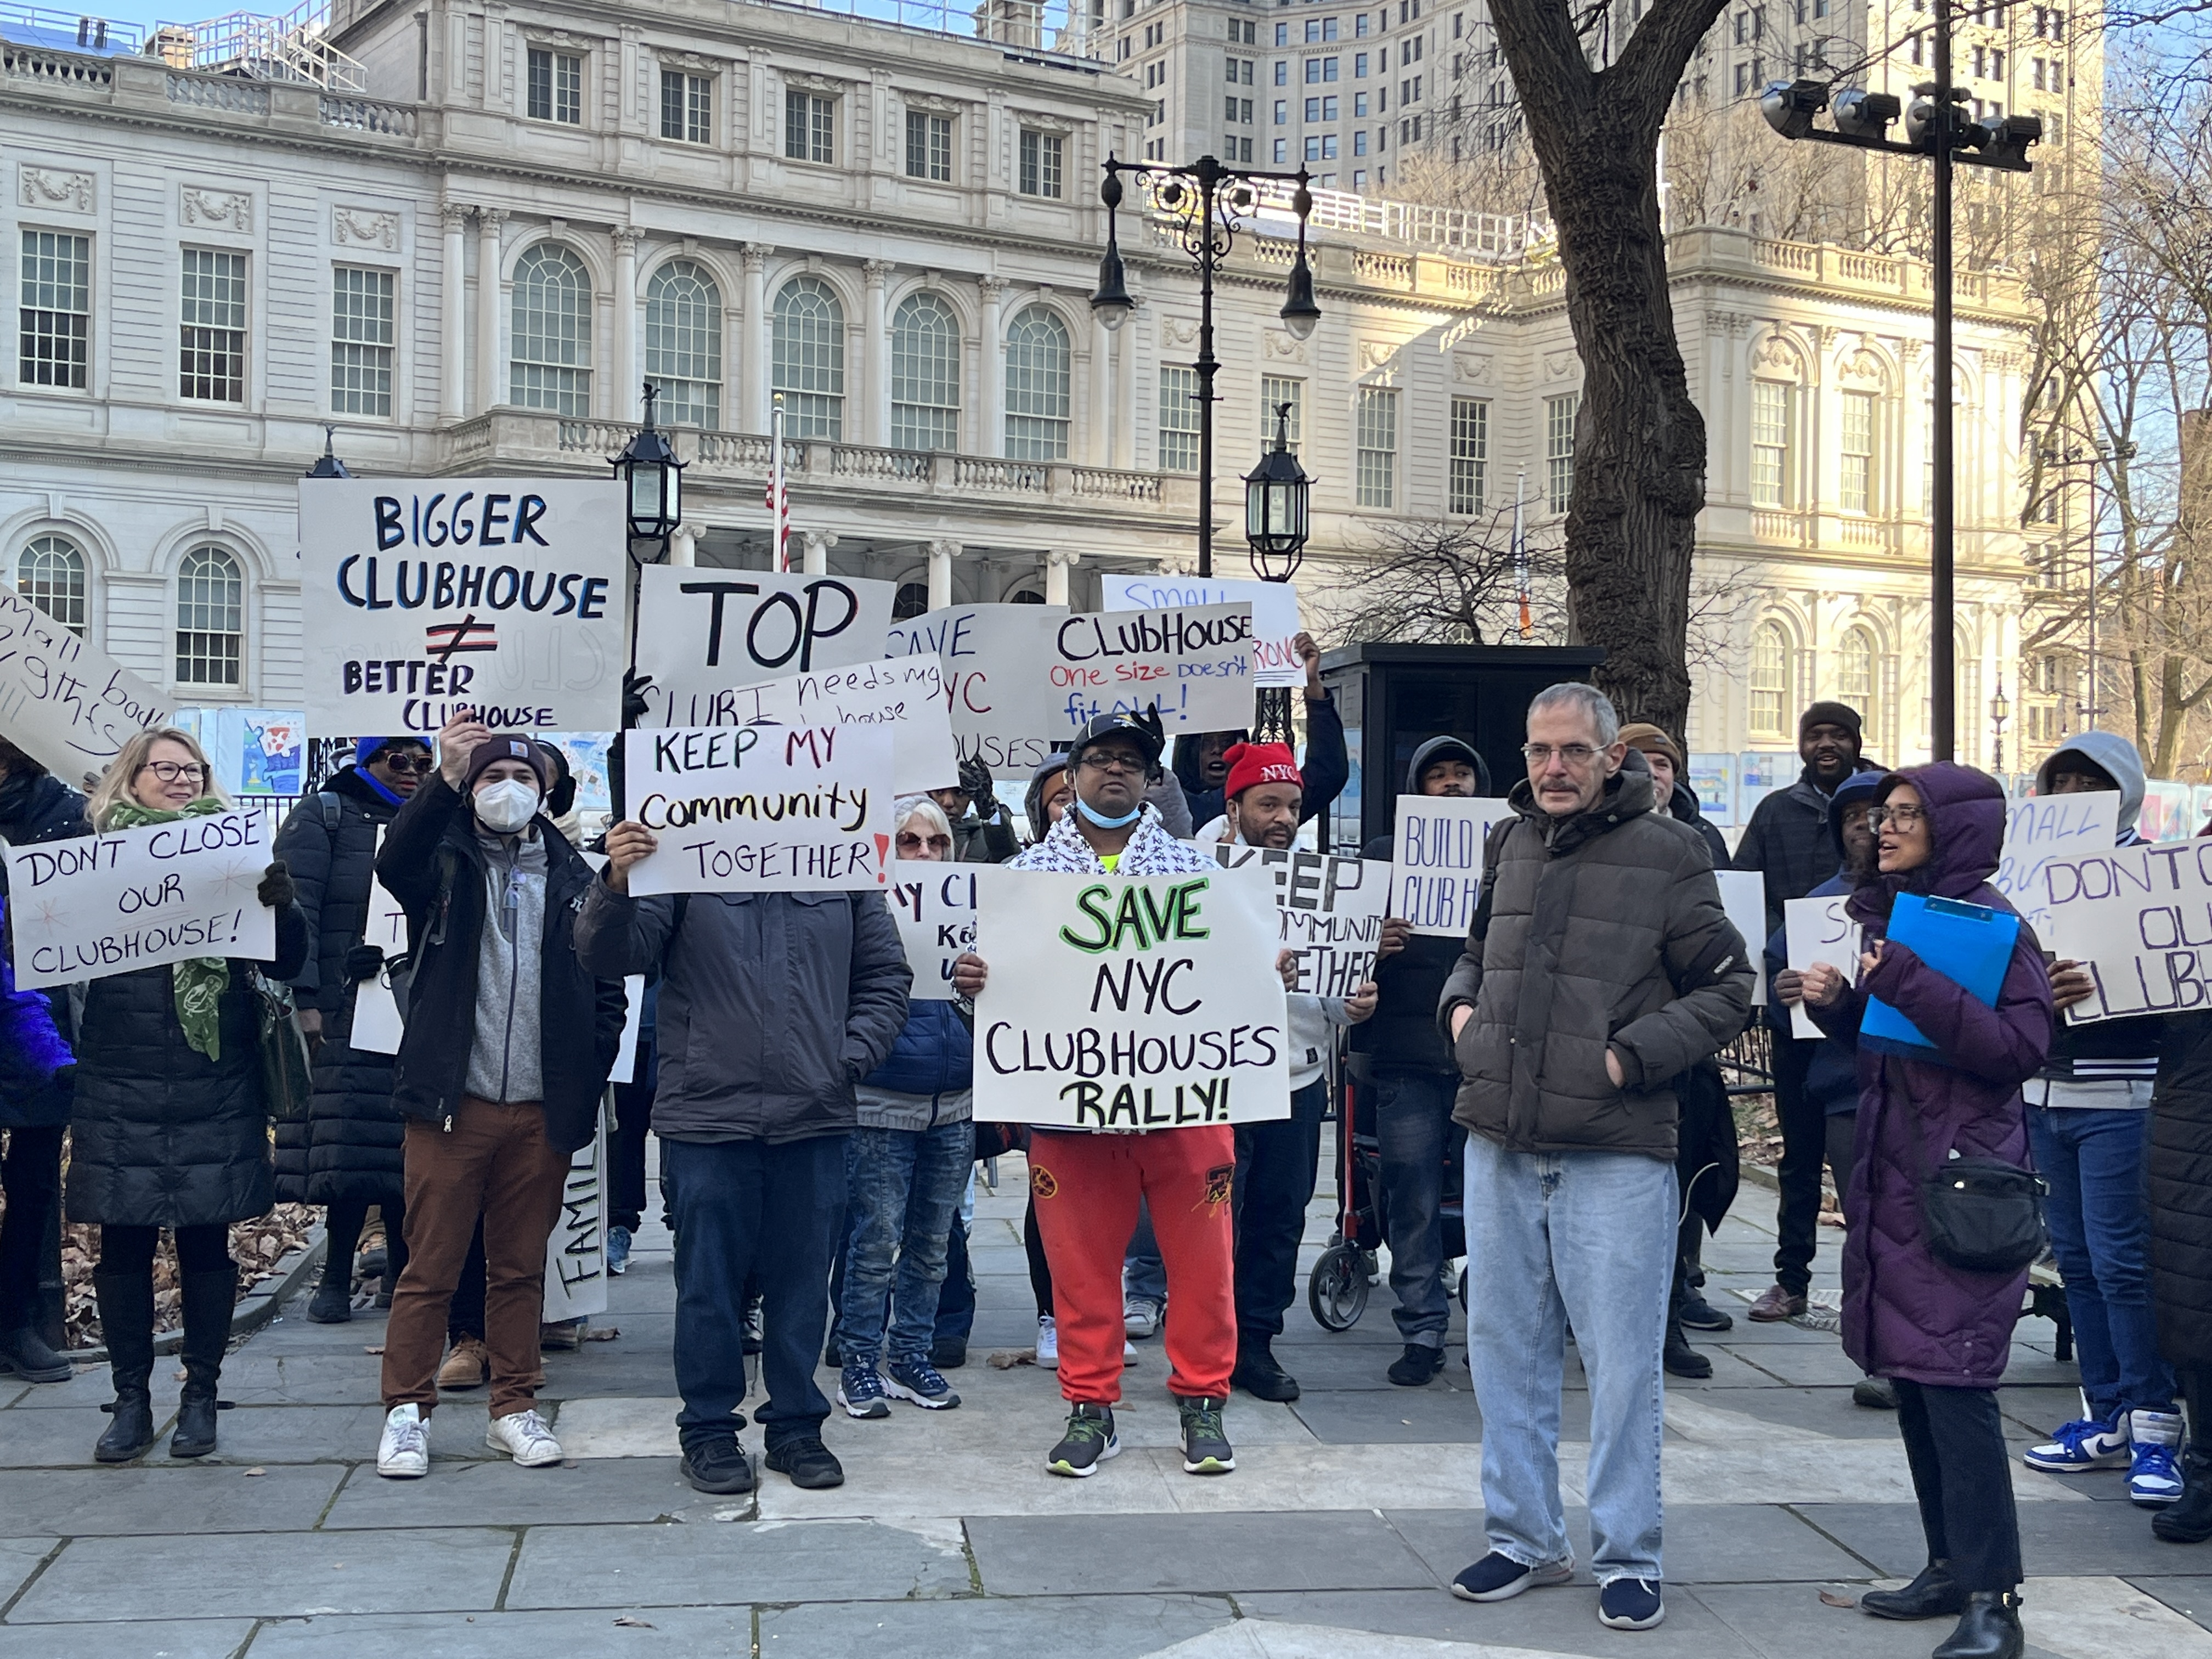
365	227
50	188
224	209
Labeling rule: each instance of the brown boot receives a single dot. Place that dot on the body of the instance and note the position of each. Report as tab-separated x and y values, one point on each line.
466	1366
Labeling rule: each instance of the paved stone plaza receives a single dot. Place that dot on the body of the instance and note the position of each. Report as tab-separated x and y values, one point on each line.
1347	1516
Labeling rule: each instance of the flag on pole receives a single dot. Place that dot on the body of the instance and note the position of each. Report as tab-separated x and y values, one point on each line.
779	497
1520	555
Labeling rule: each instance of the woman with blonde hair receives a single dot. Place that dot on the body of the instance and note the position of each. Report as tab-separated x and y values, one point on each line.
170	1128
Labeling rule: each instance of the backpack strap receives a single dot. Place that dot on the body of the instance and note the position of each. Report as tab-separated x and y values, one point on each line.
332	812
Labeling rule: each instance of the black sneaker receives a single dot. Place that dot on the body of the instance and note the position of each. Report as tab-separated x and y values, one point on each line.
1089	1442
949	1353
1500	1578
718	1465
1260	1374
1630	1604
332	1301
1700	1315
1416	1366
1205	1443
808	1462
1681	1359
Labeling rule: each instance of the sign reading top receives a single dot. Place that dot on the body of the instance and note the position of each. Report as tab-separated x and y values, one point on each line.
420	597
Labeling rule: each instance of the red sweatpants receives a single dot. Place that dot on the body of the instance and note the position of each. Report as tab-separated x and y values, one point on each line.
1087	1187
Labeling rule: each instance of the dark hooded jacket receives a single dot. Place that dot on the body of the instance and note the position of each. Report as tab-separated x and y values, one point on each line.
1684	807
37	806
1787	841
2181	1193
1832	1079
1325	769
36	1062
1906	1314
1600	933
1401	1036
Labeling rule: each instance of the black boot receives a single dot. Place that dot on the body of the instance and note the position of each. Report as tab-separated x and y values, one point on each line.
2189	1520
1260	1374
332	1301
1680	1359
1988	1629
126	1322
1932	1595
209	1299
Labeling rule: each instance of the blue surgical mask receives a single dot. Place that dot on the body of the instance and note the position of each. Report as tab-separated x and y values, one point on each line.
1105	822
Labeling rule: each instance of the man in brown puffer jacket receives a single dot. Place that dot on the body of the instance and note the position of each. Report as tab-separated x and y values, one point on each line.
1599	964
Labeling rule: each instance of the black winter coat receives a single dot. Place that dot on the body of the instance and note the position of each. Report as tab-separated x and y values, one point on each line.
349	1145
2181	1192
162	1136
433	865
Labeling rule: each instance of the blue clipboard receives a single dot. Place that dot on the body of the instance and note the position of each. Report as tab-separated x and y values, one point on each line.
1970	945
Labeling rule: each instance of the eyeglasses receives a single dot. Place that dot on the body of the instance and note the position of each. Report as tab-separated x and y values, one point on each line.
1114	760
938	843
1577	754
1898	818
171	771
411	760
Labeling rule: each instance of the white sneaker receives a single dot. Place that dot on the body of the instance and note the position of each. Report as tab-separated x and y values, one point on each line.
524	1437
1048	1343
404	1453
1140	1316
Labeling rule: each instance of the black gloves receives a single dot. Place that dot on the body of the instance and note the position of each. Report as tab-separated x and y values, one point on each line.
364	962
275	889
635	706
976	781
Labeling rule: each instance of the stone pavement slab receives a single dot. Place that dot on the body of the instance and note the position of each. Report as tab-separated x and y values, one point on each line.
498	1492
1790	1621
656	1633
1120	1626
2104	1618
1706	1544
144	1500
160	1639
19	1559
52	1440
1235	1553
2080	1538
2190	1597
1562	1619
734	1562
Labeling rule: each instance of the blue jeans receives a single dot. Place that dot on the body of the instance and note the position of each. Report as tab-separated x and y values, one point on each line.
745	1210
1414	1130
1554	1237
1144	1271
904	1187
2093	1160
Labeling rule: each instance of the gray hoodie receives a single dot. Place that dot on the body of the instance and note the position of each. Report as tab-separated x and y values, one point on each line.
2112	1051
505	1060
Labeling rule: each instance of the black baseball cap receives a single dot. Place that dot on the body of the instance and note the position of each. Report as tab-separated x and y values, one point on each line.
1141	726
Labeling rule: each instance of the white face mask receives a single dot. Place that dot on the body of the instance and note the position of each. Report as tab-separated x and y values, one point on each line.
506	806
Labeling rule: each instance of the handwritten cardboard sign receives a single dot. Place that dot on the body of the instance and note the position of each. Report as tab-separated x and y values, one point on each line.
1275	623
762	809
1146	1002
934	905
997	662
2044	827
1436	878
136	898
1191	664
65	703
2140	919
1817	930
576	1250
702	631
421	597
1330	910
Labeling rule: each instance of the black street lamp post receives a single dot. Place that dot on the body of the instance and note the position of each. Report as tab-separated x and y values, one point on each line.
1205	200
1276	524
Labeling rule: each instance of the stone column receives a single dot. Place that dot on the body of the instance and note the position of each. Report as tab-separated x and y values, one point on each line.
454	368
991	374
1124	394
1100	446
684	545
491	382
1057	563
941	555
753	363
875	384
628	398
814	551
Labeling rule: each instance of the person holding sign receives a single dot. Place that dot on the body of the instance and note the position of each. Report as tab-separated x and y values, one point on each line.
35	805
772	1007
38	1075
1600	966
1087	1185
508	1044
1201	759
1943	1332
170	1128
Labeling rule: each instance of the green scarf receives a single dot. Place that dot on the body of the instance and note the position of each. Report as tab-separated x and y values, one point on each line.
200	981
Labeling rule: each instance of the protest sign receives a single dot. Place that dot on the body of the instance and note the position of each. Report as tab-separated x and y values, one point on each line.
576	1252
2044	827
1817	930
1329	910
65	703
997	661
1275	659
761	809
1193	663
420	598
1436	876
377	1023
136	898
905	693
2140	919
1743	895
702	631
1147	1002
934	905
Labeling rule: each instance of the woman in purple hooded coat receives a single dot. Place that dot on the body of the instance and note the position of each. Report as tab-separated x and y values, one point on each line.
1942	1334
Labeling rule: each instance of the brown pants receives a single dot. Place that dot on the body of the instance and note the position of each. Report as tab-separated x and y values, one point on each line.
495	1162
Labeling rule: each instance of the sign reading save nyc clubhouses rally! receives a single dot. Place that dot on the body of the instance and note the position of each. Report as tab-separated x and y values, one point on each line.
1144	1002
419	598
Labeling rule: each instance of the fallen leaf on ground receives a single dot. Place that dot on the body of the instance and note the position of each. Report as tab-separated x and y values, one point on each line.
1006	1359
604	1334
1837	1599
634	1624
249	1473
372	1349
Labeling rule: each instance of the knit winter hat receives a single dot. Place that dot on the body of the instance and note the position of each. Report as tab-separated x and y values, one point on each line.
507	746
1252	763
1644	736
1829	713
366	750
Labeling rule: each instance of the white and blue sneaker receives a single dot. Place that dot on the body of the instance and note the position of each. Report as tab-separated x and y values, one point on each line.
919	1380
861	1392
617	1249
2153	1475
2084	1444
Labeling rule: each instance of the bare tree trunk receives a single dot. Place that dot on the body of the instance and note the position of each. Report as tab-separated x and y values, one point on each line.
1640	478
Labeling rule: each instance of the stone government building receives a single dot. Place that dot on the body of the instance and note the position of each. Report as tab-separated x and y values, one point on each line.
464	232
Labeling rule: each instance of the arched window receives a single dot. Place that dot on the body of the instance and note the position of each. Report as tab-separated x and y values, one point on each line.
1772	672
552	362
683	344
1858	680
911	601
51	575
1036	387
809	358
1025	596
210	618
924	375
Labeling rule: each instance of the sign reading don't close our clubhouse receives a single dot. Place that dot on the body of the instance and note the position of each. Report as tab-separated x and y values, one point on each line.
419	596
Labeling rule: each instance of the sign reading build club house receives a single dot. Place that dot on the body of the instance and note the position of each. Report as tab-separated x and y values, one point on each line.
422	597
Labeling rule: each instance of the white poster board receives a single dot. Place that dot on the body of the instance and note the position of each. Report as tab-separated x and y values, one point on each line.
65	703
761	809
1147	1002
2140	919
1330	911
702	631
1436	876
1275	624
1193	663
377	1022
1743	895
934	905
998	662
421	597
1817	930
2044	827
576	1252
129	899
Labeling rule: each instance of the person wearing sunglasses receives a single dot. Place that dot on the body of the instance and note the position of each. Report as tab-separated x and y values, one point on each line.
345	1153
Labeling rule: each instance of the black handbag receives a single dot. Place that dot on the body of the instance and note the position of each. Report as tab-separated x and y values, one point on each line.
1983	1215
288	1075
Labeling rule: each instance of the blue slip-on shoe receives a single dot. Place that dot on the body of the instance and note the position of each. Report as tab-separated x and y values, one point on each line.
1498	1578
2154	1470
1630	1604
